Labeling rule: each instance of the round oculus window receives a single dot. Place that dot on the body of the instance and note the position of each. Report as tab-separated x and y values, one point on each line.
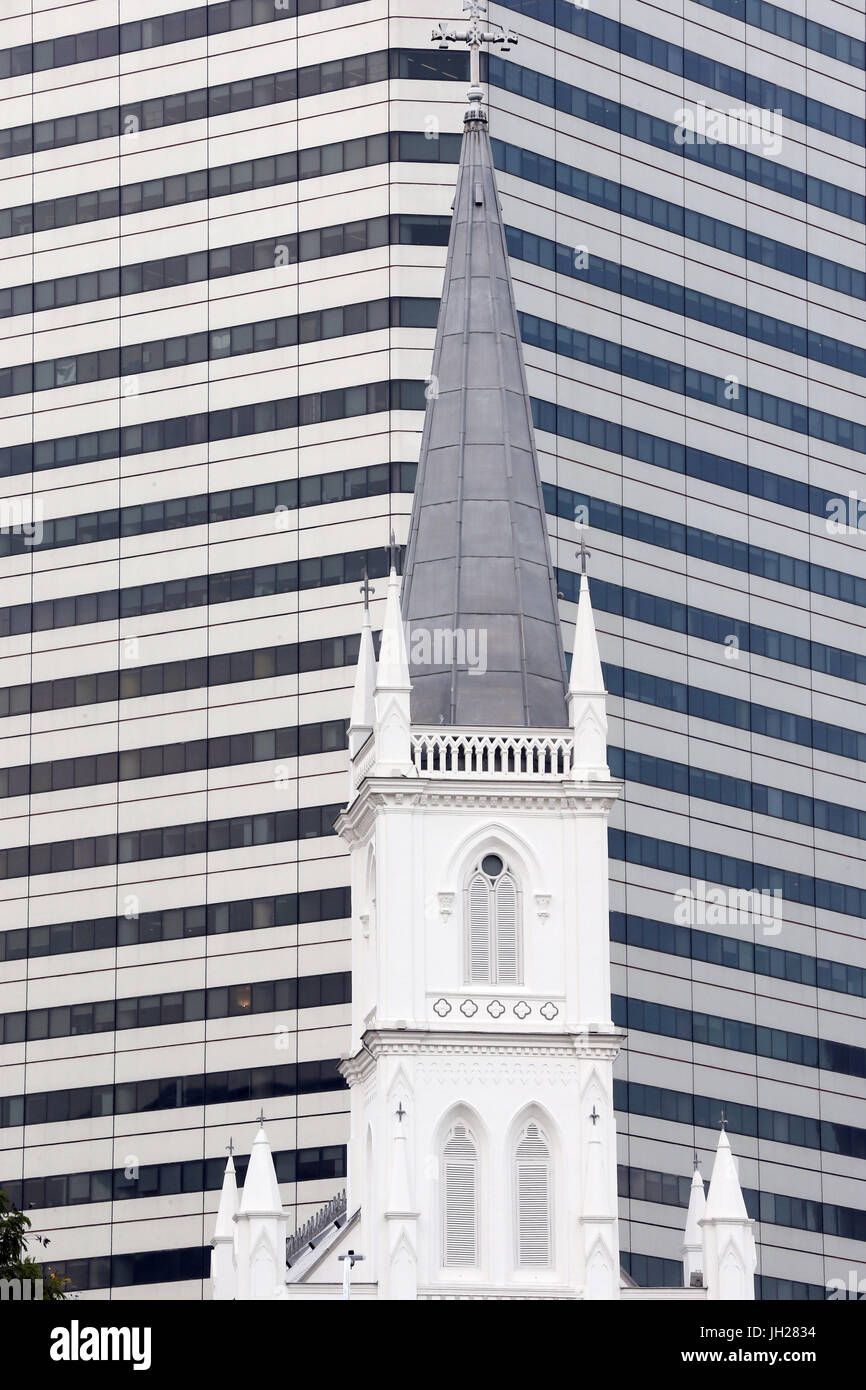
491	865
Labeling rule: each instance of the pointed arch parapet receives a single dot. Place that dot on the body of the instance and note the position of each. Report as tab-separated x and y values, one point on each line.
467	753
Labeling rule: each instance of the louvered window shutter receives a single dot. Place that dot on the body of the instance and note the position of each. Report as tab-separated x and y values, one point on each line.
507	953
533	1183
460	1197
479	931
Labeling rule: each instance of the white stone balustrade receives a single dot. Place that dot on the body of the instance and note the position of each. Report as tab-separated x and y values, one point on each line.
527	756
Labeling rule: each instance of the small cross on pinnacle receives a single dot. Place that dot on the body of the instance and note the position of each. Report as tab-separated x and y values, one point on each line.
697	1161
393	550
400	1112
261	1116
723	1119
230	1146
367	590
583	554
595	1117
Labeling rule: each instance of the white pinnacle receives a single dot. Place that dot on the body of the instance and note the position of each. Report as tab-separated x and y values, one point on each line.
224	1229
261	1191
693	1240
725	1198
697	1207
392	672
363	716
587	699
586	677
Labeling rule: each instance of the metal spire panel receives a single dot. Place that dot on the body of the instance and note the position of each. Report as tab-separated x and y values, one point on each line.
479	598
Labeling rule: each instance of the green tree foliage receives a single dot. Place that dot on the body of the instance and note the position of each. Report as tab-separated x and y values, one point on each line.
14	1260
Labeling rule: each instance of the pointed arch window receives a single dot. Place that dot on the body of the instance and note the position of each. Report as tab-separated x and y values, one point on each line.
460	1199
533	1191
493	947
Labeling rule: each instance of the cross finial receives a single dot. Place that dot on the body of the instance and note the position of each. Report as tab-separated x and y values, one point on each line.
230	1146
582	554
595	1117
723	1119
474	35
367	590
261	1116
400	1112
697	1161
393	550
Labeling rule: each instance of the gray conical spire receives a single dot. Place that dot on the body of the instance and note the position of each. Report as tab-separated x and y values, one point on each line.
479	597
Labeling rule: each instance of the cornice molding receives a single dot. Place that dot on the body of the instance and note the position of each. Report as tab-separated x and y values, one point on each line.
383	1042
386	793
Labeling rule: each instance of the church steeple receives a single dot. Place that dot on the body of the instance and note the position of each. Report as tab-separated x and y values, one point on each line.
483	1137
479	597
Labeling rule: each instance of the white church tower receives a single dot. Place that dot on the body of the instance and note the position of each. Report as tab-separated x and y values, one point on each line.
482	1153
483	1146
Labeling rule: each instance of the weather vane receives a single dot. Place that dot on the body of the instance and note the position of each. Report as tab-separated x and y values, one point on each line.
475	35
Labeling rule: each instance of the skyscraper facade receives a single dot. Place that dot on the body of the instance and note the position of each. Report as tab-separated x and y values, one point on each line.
223	237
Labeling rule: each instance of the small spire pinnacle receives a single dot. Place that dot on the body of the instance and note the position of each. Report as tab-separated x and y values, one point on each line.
228	1204
223	1268
586	693
693	1245
362	716
729	1255
586	677
392	718
725	1196
392	672
261	1192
